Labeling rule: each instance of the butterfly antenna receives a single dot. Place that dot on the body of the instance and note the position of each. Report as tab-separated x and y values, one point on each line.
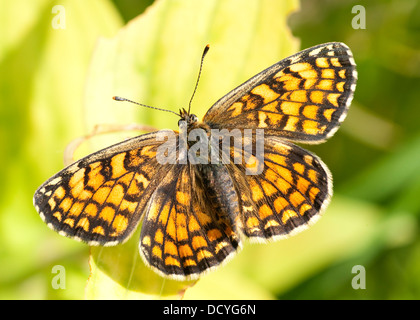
117	98
206	49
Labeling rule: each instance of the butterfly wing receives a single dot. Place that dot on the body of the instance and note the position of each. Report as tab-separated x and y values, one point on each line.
183	235
302	98
100	198
290	193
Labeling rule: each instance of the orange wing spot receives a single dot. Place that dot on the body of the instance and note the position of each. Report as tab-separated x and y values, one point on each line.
313	193
170	248
332	98
146	241
309	74
249	103
310	127
253	165
327	85
107	214
91	210
298	67
291	84
101	194
291	123
203	254
280	203
302	184
322	62
262	116
268	188
219	246
172	262
65	205
85	195
84	223
77	177
328	113
99	230
117	165
291	108
119	224
278	159
252	223
116	195
257	193
214	234
57	215
183	198
157	252
159	236
59	193
133	190
164	213
170	227
203	218
189	263
236	109
193	224
342	73
148	152
128	206
296	198
271	223
272	107
308	159
304	208
69	222
199	242
264	211
96	179
52	203
327	74
275	118
310	83
281	183
335	62
288	214
77	189
310	111
317	96
340	86
313	176
298	96
181	230
185	251
76	208
300	168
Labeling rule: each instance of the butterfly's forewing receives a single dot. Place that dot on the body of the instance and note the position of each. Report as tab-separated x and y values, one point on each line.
301	98
182	234
100	198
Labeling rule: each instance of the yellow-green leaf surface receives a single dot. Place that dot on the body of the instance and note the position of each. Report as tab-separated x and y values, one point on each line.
42	78
154	60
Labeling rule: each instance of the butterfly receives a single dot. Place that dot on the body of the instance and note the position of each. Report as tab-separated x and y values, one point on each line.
195	215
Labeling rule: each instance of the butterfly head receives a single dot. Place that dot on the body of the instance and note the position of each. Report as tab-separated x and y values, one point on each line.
190	119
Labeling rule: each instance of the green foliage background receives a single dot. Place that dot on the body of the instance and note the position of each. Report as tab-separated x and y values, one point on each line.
55	85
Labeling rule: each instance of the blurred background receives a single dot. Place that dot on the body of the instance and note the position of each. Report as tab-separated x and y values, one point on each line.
60	66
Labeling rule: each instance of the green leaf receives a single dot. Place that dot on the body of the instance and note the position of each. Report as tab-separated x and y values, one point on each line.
155	60
42	78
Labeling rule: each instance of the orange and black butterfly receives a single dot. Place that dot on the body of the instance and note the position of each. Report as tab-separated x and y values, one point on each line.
195	214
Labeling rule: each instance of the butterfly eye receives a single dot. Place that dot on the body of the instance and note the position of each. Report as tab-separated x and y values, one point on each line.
193	118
